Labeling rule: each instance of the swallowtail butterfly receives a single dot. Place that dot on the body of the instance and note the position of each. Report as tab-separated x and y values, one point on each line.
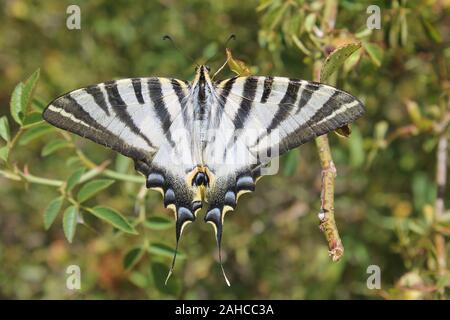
202	141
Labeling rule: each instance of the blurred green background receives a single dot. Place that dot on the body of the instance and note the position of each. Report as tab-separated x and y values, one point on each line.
273	249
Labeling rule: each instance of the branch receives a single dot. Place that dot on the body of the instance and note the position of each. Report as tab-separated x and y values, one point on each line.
439	208
326	214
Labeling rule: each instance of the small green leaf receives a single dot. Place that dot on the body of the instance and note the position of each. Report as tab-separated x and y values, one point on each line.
34	133
4	129
132	257
122	163
337	58
16	103
158	223
92	187
163	250
52	211
38	105
113	217
310	21
291	163
73	161
53	146
70	221
375	53
444	281
430	30
28	90
74	178
357	154
32	117
138	279
416	227
4	151
237	66
21	97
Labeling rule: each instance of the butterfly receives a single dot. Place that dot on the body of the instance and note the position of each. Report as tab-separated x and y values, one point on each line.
204	140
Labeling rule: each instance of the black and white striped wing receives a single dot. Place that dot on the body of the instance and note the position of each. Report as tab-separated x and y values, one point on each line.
261	118
139	118
299	110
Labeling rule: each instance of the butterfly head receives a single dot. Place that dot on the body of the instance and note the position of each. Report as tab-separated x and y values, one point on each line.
202	69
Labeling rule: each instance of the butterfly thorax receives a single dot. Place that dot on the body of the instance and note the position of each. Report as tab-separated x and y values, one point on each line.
202	100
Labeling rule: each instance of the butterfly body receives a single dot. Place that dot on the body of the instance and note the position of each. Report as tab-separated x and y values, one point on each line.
203	141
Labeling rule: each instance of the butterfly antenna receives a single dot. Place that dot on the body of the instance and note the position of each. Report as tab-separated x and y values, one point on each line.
231	37
187	57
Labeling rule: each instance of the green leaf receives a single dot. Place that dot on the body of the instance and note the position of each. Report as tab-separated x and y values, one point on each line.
138	279
4	129
163	250
52	211
337	58
32	117
70	221
74	178
310	21
93	187
21	97
237	66
444	281
132	257
16	103
416	227
4	151
356	149
430	30
375	53
28	90
158	223
53	146
113	217
38	105
122	163
34	133
290	166
159	274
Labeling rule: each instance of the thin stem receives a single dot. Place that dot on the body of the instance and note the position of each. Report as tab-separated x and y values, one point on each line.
21	176
326	214
439	210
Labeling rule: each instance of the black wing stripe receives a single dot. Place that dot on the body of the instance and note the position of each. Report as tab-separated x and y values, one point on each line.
248	95
285	106
93	131
178	90
98	96
268	82
223	98
119	107
137	86
156	95
306	94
